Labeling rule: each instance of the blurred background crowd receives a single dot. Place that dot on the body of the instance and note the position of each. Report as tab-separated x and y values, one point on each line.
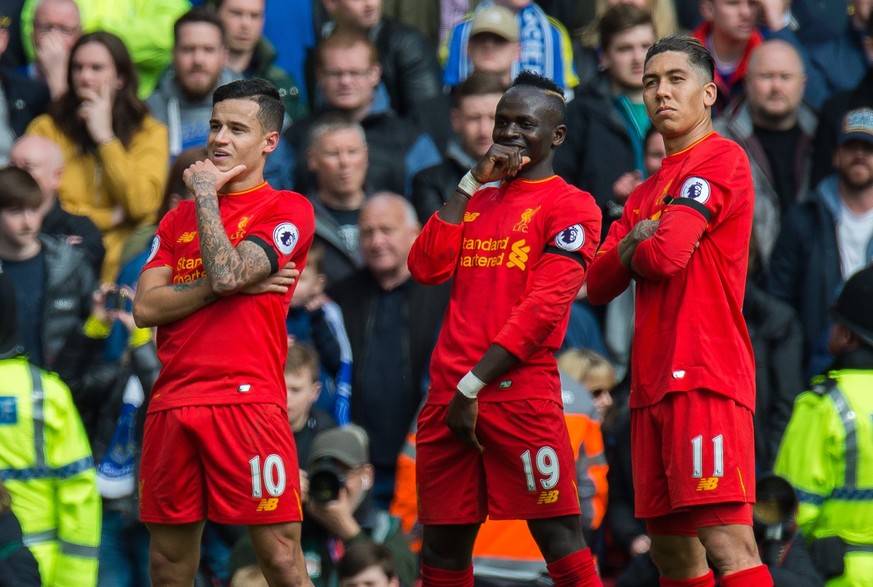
388	104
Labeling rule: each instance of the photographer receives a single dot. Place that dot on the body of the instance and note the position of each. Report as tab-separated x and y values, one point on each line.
340	511
774	521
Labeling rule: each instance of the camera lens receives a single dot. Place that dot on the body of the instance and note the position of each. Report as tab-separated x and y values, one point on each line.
325	482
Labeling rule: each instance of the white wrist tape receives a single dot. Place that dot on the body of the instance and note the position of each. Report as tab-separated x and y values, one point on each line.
470	385
468	185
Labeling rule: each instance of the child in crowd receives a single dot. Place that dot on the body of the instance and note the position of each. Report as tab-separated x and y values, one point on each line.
304	388
315	320
368	564
594	372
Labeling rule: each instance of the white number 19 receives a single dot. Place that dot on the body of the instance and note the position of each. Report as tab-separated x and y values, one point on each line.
547	464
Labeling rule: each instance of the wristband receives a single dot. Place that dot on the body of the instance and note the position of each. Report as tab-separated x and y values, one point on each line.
468	185
94	328
139	337
470	385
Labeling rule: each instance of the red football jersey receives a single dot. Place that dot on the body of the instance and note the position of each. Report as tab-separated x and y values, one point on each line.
689	329
518	261
233	350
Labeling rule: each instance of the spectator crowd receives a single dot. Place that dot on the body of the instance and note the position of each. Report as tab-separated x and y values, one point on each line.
388	103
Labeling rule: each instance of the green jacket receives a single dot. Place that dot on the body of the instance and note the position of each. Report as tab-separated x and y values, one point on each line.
827	454
45	463
145	26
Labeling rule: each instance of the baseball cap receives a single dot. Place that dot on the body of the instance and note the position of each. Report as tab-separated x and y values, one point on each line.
852	308
497	20
348	445
857	125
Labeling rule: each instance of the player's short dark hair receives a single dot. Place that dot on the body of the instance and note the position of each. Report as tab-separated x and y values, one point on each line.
620	18
302	357
18	189
547	86
478	83
196	15
271	108
363	555
698	56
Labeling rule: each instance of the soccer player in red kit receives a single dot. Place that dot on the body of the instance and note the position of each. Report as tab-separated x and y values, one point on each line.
217	443
684	239
491	438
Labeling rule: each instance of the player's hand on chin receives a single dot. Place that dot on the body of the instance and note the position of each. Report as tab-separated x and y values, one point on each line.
204	177
461	419
500	161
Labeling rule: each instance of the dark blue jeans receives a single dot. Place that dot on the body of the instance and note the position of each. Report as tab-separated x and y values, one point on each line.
124	552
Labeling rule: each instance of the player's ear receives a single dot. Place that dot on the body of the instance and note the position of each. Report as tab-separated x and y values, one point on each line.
558	135
710	93
271	141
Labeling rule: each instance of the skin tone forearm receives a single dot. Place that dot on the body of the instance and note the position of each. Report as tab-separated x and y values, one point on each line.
159	302
641	231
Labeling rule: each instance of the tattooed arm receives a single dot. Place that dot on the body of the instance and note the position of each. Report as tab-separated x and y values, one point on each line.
230	269
159	302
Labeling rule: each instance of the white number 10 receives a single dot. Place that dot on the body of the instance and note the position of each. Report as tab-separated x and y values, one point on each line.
547	464
273	468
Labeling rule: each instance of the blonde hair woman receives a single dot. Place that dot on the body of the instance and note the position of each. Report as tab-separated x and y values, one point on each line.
593	371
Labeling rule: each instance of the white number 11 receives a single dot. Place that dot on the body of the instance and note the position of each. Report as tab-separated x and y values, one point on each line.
718	456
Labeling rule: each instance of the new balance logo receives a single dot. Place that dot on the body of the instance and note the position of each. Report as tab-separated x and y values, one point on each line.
707	484
268	505
186	237
548	497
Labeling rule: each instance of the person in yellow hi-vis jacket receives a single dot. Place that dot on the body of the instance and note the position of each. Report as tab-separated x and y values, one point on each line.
45	462
827	450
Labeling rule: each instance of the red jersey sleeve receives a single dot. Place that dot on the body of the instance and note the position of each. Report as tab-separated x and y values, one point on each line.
287	233
161	249
706	196
572	232
434	254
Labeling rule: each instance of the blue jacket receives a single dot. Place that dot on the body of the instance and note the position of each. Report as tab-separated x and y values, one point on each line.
805	267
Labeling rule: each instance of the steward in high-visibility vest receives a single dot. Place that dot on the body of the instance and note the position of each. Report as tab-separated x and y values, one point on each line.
827	450
46	464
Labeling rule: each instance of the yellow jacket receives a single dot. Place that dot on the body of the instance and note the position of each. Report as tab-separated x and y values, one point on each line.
827	454
130	179
45	463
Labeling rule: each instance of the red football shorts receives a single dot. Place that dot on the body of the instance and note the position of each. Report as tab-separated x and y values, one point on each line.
229	464
691	448
526	471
